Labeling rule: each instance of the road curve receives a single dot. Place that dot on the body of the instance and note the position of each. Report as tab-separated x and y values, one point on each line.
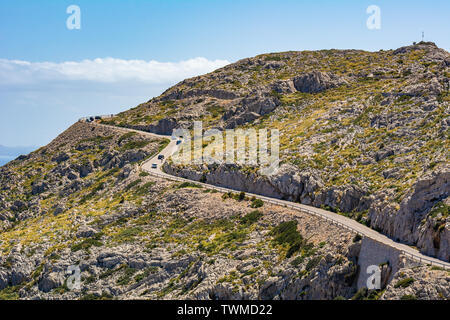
332	217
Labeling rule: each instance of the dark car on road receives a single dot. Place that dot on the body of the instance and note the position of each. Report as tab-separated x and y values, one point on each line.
160	157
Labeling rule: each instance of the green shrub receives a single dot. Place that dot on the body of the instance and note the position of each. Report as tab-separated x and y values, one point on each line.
257	203
146	273
231	195
312	263
286	234
134	145
297	261
126	277
272	57
145	219
144	189
97	139
109	272
128	234
8	263
366	294
92	296
188	185
228	240
10	293
37	272
408	297
251	217
440	208
215	110
227	195
403	283
163	144
126	136
437	268
360	294
132	184
100	186
86	244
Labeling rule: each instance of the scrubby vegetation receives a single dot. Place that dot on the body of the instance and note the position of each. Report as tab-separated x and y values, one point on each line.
403	283
286	234
82	200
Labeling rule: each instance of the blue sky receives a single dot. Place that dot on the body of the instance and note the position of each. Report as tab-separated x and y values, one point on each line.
182	38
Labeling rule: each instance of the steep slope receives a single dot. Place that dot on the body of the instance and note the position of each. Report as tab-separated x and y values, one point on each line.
362	133
85	203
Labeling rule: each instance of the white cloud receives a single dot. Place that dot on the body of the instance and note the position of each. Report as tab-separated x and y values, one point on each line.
104	70
38	100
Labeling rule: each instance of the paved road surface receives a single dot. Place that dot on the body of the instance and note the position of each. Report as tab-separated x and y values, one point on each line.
335	218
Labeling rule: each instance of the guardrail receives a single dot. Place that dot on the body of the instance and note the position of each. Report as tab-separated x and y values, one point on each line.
418	258
422	259
269	200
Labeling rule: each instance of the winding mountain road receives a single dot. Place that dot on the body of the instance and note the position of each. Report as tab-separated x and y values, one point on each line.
332	217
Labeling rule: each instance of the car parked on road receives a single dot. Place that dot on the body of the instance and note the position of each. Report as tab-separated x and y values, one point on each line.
161	157
154	166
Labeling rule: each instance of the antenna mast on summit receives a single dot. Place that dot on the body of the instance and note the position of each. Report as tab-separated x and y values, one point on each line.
423	34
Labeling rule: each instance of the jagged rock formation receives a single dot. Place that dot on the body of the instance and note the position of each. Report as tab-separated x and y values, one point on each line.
315	82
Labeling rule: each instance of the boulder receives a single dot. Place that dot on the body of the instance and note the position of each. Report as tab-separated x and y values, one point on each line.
86	232
38	188
317	81
50	281
85	169
110	260
61	157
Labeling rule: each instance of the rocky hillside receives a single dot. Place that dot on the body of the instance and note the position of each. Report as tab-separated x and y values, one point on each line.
83	201
365	134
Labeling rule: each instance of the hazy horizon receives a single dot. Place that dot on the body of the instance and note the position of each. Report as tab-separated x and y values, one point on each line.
8	153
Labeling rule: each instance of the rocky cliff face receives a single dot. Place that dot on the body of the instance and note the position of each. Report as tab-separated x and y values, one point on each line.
132	236
413	222
363	133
